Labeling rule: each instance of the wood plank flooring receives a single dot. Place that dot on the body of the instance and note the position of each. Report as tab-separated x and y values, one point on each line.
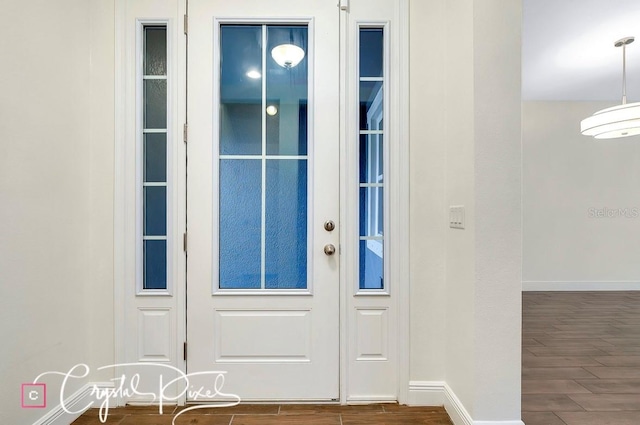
272	414
581	358
580	366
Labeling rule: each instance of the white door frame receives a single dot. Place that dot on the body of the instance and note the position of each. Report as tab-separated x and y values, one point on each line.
126	305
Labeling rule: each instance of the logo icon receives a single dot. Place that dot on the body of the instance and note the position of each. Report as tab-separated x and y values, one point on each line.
34	396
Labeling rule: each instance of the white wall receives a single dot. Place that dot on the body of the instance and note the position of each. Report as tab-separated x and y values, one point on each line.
498	223
466	150
427	192
568	180
459	139
56	127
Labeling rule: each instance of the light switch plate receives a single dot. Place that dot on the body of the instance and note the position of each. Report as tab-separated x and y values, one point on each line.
456	216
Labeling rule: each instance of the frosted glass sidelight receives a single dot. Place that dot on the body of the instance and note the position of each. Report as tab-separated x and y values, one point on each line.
155	157
155	48
240	224
371	265
286	224
287	91
155	265
155	104
155	211
240	91
371	52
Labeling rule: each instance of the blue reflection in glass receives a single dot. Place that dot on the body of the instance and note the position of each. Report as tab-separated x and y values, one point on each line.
240	221
371	105
371	265
371	49
240	95
155	211
286	226
371	158
371	211
155	265
287	90
155	157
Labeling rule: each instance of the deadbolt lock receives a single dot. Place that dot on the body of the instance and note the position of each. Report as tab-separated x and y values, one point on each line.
329	225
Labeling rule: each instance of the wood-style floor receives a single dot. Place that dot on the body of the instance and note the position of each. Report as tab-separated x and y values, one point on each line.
581	358
270	414
580	366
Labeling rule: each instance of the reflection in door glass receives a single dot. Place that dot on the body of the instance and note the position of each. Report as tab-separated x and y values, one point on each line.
287	93
241	90
263	157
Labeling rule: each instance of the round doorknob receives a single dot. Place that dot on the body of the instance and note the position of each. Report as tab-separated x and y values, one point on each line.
329	249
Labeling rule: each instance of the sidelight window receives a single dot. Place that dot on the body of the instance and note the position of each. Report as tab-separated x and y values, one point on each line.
372	85
153	164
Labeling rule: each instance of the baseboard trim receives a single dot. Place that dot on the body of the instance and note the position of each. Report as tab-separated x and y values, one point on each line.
371	399
498	423
76	401
544	286
426	393
438	393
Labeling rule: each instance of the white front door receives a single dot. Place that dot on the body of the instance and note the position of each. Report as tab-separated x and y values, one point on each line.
263	178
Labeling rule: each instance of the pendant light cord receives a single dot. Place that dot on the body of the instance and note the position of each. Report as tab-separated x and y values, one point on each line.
624	74
623	42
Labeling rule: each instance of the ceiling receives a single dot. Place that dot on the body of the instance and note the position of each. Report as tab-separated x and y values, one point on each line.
568	52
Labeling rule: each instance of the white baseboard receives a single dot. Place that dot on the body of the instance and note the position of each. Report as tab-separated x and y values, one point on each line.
544	286
498	423
77	401
426	393
365	399
438	393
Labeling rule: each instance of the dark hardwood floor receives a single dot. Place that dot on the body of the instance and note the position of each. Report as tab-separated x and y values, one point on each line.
581	358
272	414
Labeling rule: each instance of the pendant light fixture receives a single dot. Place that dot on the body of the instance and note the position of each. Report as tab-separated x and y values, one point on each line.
287	55
618	121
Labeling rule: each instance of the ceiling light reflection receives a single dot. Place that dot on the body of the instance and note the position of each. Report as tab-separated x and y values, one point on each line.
253	74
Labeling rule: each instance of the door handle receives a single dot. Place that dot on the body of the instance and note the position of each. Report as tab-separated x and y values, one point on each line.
329	249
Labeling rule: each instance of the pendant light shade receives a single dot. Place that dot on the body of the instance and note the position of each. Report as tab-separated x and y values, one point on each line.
618	121
287	55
